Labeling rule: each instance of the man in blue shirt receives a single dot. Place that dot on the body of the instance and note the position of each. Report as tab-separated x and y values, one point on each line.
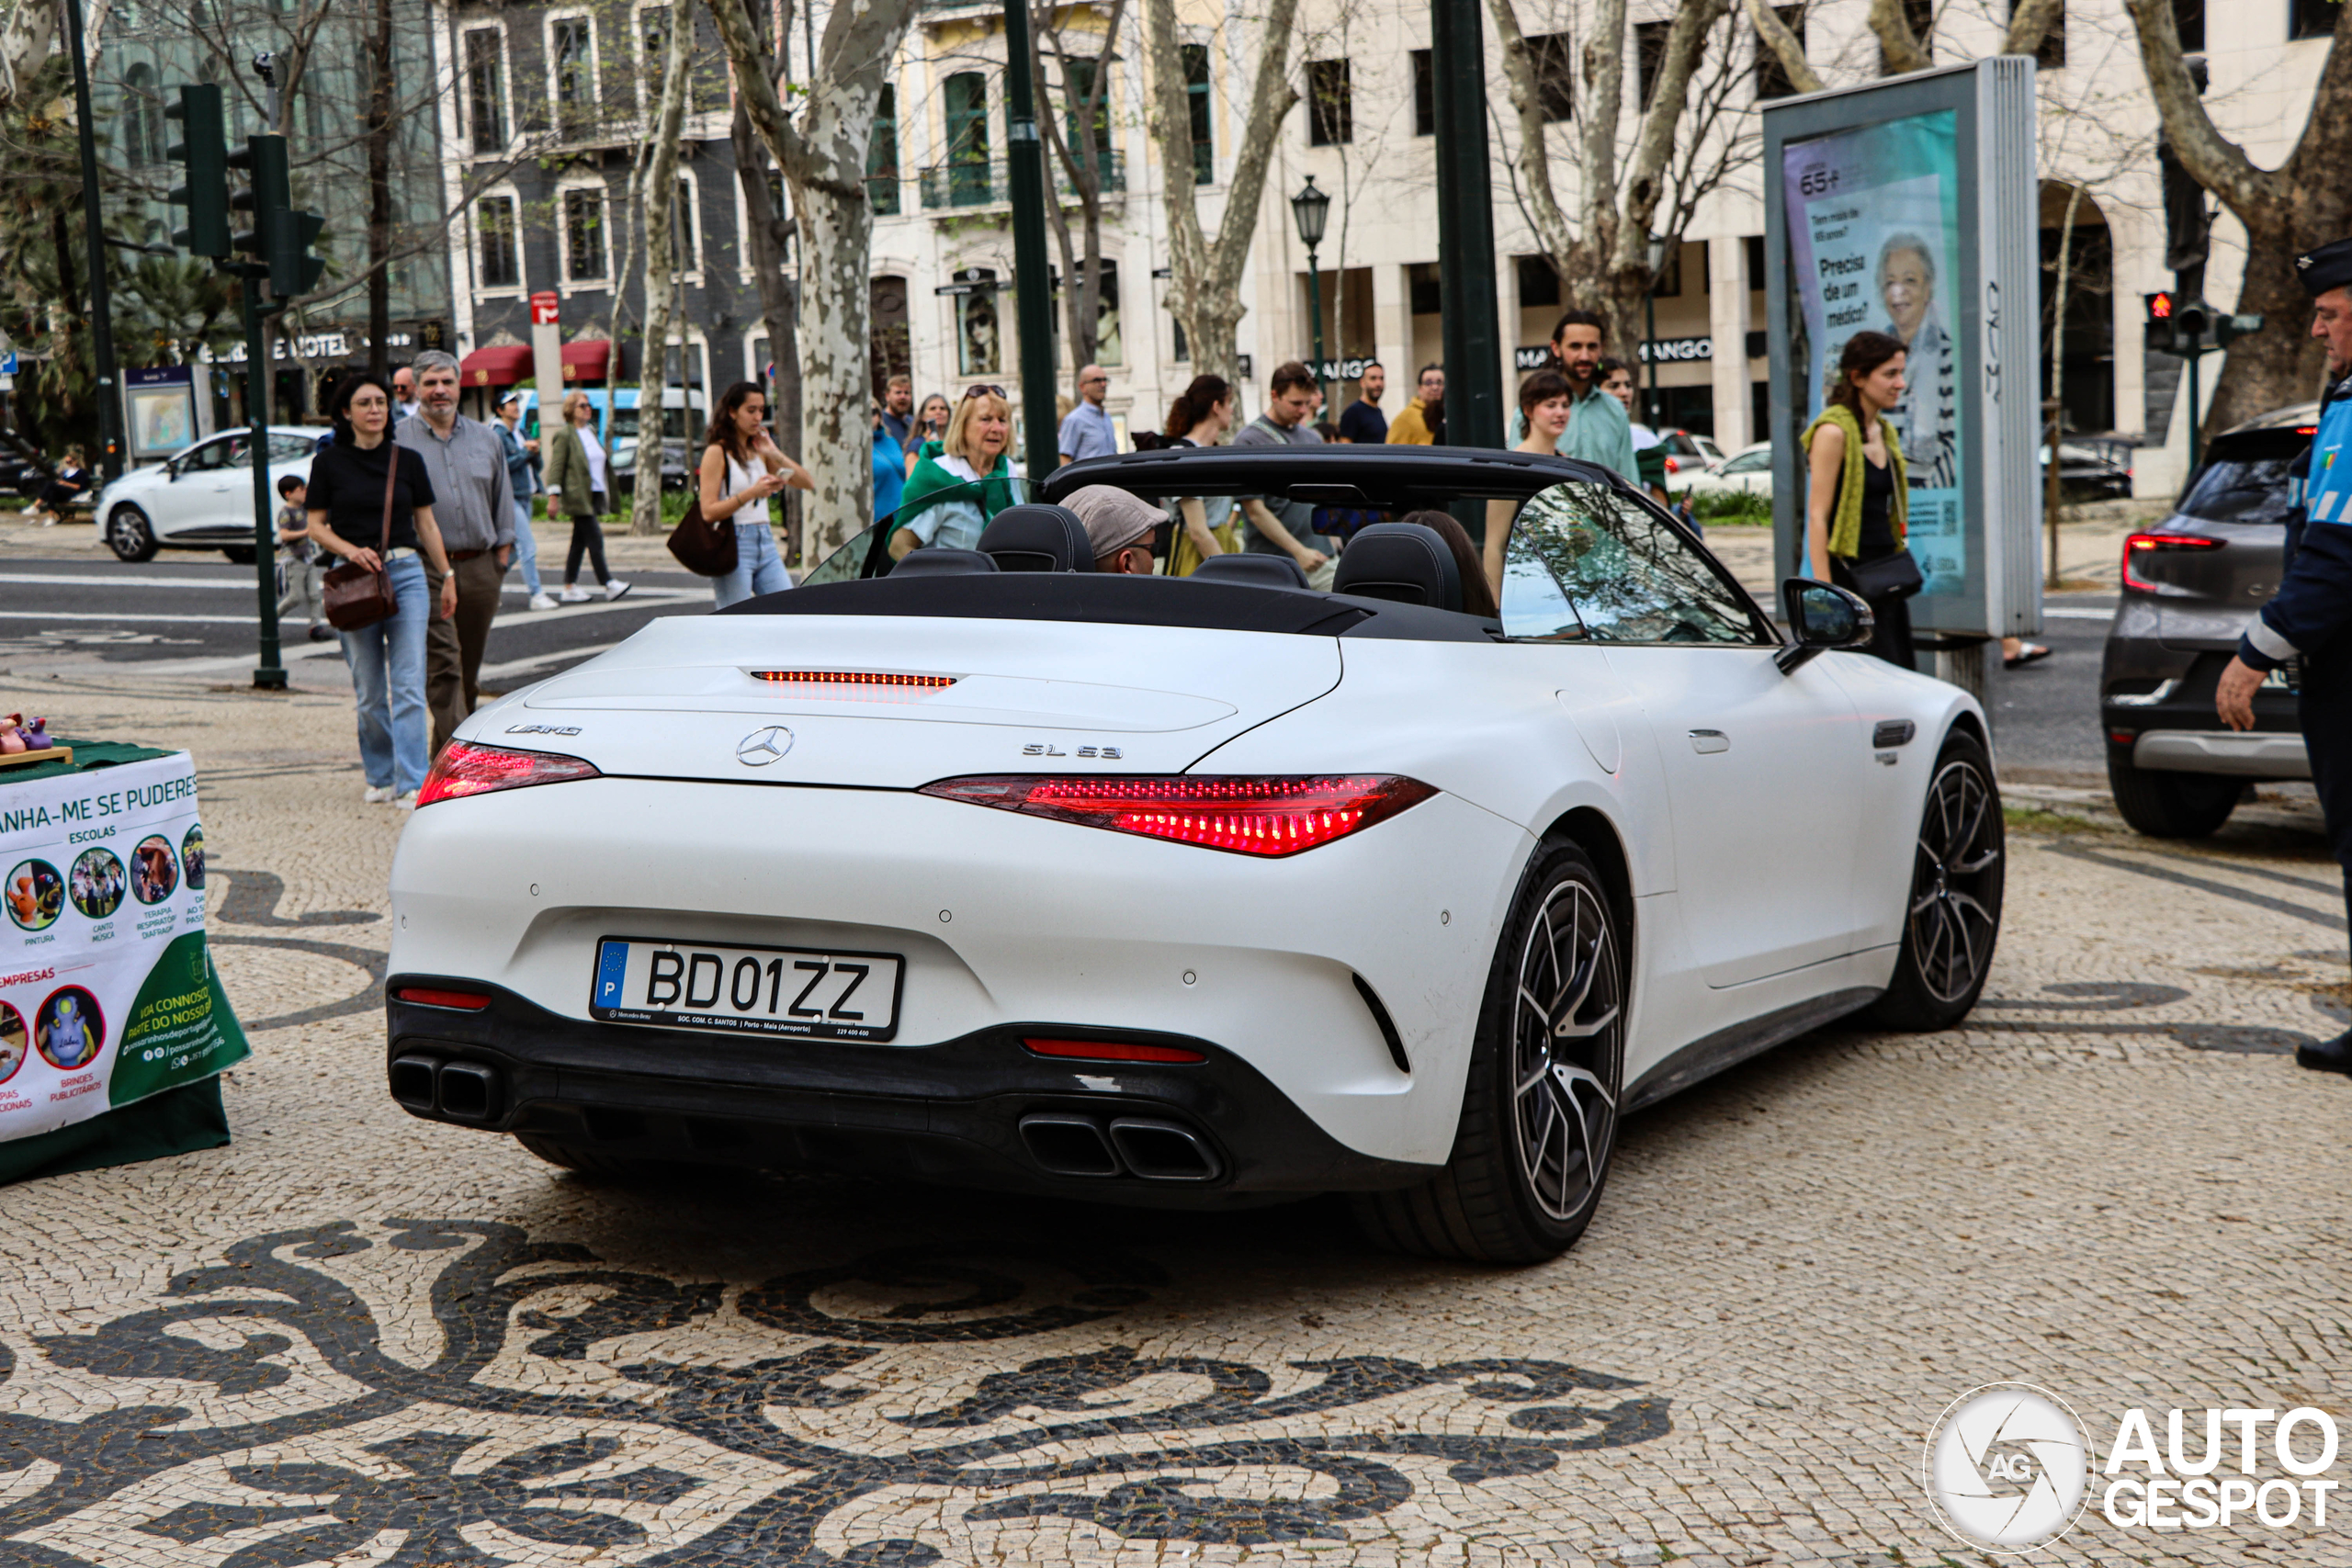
2310	618
1087	432
1360	423
524	481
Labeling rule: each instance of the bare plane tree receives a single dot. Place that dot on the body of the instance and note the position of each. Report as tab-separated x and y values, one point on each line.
823	158
1204	275
1083	165
660	264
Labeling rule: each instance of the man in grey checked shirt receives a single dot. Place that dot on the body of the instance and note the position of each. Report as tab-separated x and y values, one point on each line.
473	505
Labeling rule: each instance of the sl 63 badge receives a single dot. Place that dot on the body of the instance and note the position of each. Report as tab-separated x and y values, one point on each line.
1047	749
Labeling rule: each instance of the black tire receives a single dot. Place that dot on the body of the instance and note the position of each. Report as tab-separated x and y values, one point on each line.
239	554
130	534
2168	805
1506	1196
1953	918
591	1162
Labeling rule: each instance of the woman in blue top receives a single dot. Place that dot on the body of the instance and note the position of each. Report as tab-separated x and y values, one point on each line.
972	451
889	468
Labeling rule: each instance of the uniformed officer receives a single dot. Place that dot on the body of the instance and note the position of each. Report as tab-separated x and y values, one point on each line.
2310	617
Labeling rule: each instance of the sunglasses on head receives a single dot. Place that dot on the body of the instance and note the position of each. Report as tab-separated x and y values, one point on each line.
983	390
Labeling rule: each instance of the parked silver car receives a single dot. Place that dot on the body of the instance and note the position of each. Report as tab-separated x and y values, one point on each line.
2190	583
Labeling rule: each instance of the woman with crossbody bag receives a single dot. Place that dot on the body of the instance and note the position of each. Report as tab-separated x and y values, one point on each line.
1857	500
365	486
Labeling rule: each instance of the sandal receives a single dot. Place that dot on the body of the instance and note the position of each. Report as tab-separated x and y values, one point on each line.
2026	654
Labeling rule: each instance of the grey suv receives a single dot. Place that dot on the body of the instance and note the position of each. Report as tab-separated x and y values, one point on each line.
2189	585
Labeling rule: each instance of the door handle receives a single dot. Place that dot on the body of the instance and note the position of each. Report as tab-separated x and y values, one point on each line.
1708	742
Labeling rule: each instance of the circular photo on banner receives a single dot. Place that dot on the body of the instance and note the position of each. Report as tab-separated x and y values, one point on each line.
13	1042
155	869
36	895
192	856
97	883
69	1029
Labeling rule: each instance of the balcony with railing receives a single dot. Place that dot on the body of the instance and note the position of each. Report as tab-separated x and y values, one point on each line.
982	182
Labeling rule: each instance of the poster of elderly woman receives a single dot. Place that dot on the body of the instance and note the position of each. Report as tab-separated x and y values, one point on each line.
1927	417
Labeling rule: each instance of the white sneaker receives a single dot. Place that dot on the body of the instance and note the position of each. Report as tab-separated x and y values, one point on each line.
406	801
542	602
575	596
378	793
616	588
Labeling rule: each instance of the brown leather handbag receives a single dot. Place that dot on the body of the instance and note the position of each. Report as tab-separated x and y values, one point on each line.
356	597
702	547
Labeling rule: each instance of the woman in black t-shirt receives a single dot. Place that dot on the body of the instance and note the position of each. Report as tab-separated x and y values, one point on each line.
345	509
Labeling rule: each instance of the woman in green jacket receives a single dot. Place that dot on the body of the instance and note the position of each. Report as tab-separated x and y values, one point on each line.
1857	502
972	452
578	480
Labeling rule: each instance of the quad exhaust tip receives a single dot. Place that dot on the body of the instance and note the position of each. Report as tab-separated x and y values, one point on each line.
1067	1144
447	1092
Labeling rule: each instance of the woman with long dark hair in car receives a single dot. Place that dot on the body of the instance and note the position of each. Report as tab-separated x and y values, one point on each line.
1857	500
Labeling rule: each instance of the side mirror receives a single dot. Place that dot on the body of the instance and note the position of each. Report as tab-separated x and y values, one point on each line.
1820	615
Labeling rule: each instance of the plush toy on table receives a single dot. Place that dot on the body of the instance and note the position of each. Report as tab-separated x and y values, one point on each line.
18	735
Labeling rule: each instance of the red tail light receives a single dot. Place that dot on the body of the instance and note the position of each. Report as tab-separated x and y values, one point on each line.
2142	544
1269	817
1673	466
459	1001
463	769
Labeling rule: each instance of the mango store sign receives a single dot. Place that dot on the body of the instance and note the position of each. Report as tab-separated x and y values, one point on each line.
1664	350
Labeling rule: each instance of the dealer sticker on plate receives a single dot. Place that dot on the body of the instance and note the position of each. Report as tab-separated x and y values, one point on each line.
746	990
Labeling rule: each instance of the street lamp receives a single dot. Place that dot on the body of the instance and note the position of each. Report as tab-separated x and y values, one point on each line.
1311	210
1649	349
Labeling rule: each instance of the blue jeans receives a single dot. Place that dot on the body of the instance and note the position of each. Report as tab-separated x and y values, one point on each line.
527	549
758	568
387	663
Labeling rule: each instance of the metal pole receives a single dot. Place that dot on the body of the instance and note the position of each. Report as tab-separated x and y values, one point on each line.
269	672
1649	349
1465	235
2196	358
1315	310
94	243
1025	184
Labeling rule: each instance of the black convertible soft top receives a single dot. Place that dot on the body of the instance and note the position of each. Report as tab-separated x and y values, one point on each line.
1387	479
1112	600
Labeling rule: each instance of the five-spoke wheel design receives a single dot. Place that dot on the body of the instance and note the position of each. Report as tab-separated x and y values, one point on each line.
1567	1057
129	534
1953	924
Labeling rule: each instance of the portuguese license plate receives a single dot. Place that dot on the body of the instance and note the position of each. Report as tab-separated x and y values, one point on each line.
746	990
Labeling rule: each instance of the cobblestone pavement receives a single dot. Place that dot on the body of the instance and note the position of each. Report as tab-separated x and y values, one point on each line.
356	1337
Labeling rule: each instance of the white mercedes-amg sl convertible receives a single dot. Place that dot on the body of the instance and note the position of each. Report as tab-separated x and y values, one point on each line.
984	867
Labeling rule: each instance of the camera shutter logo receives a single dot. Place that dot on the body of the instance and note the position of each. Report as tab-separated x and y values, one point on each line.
2004	1468
763	746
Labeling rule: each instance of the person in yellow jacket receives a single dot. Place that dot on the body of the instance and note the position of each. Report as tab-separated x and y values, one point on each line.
1423	422
1857	500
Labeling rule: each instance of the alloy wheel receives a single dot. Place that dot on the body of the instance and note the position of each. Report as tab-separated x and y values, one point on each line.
1567	1050
1952	929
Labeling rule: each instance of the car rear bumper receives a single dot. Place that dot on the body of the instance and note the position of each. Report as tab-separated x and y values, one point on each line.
2254	755
979	1110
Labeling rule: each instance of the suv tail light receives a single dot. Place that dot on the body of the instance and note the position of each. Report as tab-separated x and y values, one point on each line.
1267	817
2139	546
463	769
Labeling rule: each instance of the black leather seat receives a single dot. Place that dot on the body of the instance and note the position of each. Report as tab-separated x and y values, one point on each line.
1400	562
1037	537
944	563
1258	572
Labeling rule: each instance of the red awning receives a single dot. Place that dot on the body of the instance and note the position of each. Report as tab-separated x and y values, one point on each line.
501	367
587	360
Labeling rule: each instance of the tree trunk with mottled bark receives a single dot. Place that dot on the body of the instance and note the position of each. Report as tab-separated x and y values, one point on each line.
823	160
2306	201
379	190
1204	275
661	267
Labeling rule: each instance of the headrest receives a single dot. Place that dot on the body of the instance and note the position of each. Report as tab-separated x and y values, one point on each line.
1037	537
1257	570
944	563
1403	561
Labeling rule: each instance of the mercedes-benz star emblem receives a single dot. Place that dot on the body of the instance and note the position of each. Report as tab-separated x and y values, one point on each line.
762	746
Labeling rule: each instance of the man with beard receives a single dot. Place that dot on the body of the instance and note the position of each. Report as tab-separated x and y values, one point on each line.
1599	429
2310	618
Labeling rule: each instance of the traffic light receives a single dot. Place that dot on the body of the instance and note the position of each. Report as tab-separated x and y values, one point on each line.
2157	333
250	161
293	270
204	152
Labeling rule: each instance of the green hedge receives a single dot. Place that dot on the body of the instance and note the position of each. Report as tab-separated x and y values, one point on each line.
1730	506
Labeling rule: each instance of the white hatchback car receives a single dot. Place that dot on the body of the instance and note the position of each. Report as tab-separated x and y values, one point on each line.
201	500
1750	472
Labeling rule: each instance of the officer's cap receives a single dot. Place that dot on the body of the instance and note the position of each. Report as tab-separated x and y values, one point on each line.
2329	266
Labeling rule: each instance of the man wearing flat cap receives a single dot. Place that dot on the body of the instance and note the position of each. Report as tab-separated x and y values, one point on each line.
2310	618
1118	527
